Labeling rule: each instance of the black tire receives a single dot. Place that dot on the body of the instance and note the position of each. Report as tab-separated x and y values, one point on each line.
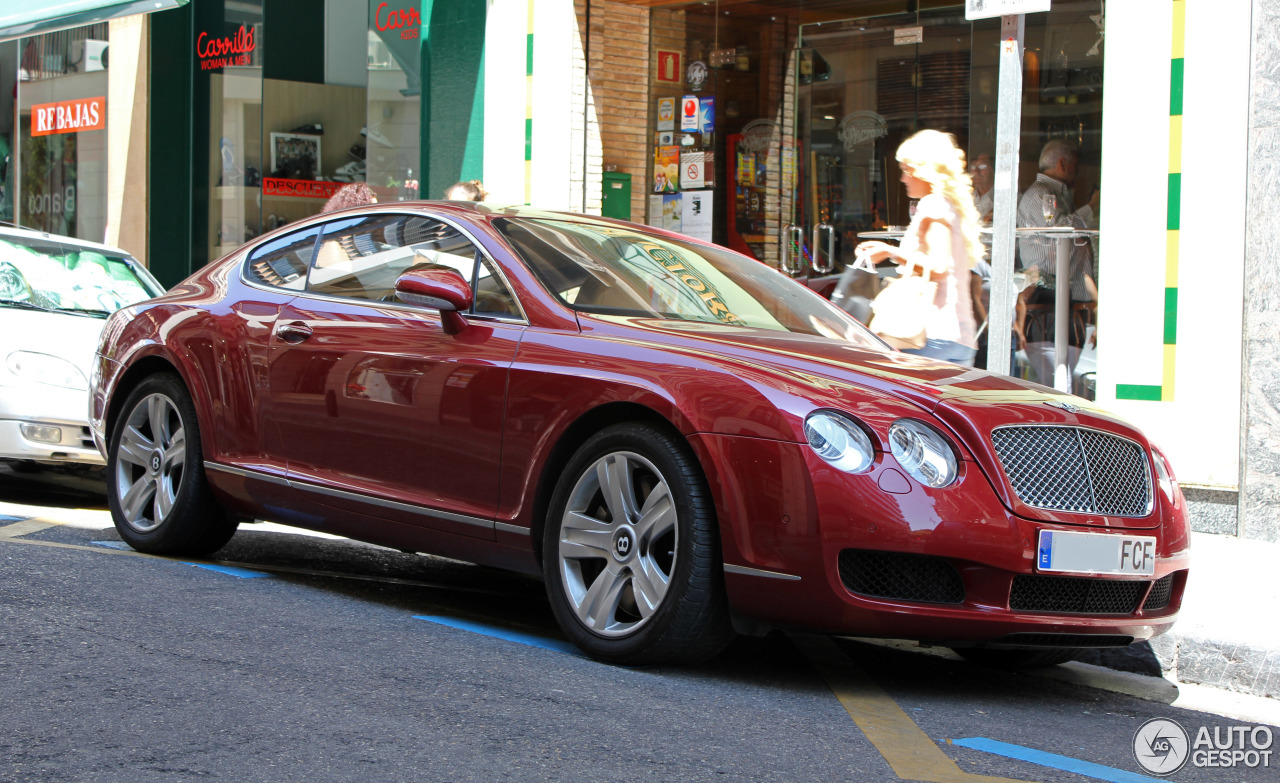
671	553
1017	659
156	487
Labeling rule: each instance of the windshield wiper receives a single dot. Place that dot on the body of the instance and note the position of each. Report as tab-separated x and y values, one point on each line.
43	309
24	305
79	311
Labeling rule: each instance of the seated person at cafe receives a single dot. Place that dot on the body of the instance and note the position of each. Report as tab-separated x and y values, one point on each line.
1049	202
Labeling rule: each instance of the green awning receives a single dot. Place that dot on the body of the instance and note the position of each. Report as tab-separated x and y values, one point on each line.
20	18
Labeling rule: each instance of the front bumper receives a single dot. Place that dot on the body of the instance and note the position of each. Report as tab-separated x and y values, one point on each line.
783	541
45	406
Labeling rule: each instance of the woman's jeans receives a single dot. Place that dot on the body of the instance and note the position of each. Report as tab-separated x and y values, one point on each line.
945	350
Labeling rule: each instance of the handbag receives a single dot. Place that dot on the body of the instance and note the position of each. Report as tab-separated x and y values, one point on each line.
902	309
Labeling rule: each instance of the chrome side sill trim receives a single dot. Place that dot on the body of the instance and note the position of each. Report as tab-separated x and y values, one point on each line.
744	571
246	473
503	527
356	496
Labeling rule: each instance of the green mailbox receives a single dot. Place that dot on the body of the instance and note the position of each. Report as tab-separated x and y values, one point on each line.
616	201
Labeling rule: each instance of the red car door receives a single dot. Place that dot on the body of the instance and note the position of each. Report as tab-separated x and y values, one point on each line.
379	410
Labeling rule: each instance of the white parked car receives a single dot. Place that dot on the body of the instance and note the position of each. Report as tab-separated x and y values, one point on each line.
55	295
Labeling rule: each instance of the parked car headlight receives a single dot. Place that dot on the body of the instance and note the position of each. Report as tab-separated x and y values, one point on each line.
12	284
43	368
922	452
1164	473
839	441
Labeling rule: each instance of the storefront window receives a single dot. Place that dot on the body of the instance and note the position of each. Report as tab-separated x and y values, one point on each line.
59	182
392	135
724	151
298	108
229	56
787	123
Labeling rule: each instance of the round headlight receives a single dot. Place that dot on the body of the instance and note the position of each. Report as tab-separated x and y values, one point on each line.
43	368
839	441
922	452
1164	474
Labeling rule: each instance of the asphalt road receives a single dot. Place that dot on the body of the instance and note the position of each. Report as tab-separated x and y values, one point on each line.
304	658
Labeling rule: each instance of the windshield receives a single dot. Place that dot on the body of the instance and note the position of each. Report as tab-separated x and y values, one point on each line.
50	275
612	270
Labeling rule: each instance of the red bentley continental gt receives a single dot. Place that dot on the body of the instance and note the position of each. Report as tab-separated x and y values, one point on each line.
680	440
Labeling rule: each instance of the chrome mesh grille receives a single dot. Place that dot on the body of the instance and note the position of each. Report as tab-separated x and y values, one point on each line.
901	576
1071	595
1075	469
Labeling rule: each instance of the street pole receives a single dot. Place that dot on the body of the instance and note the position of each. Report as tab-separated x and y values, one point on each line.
1005	206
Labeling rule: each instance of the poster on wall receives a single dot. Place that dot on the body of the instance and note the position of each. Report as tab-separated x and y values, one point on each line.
666	169
689	110
666	114
707	115
695	213
672	212
668	66
691	175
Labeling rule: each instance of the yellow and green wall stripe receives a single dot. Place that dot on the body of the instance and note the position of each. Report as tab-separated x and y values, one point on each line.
1164	392
528	109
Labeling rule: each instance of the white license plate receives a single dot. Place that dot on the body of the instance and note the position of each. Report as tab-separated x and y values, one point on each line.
1096	553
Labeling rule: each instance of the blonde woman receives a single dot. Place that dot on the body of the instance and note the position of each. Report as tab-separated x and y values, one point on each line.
941	242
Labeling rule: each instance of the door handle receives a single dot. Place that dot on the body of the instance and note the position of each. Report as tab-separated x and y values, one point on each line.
293	332
792	246
820	266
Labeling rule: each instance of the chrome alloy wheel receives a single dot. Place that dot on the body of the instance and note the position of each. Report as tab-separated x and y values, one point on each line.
618	544
150	462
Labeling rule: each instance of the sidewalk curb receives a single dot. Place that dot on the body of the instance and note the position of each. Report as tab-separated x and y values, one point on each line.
1218	664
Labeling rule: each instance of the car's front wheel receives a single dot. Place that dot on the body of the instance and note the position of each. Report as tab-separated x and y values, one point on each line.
631	551
160	501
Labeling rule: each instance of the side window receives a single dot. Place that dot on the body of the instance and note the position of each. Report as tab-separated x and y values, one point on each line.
360	258
492	295
283	262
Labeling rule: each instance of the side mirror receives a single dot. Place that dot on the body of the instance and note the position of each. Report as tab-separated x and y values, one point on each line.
439	288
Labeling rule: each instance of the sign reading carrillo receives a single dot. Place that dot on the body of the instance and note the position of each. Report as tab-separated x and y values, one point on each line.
81	114
217	53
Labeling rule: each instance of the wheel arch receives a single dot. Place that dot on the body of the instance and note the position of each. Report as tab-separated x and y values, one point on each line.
572	439
137	372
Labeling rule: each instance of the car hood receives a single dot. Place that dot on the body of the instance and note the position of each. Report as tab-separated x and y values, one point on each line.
970	402
70	337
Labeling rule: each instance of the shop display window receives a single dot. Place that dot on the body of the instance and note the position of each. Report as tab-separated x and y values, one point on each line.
53	141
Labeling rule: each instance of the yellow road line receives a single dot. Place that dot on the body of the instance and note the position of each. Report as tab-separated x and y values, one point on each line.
25	527
909	751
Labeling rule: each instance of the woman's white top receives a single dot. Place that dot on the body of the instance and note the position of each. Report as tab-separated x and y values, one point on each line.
952	318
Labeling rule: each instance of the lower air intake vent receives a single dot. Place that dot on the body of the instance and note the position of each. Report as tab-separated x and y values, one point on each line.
1069	595
901	577
1160	594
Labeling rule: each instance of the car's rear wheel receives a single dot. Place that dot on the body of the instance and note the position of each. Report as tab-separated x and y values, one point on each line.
631	551
1017	659
156	487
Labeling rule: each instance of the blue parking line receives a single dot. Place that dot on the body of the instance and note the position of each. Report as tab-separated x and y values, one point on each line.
113	545
242	573
502	633
1066	763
